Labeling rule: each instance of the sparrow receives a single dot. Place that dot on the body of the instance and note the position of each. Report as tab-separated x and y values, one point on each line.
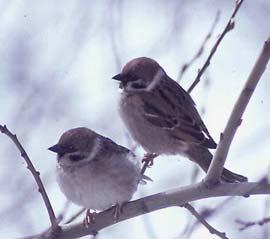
93	171
162	117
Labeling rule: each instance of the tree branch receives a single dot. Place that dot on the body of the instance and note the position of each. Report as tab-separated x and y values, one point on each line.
211	229
201	49
171	198
217	164
246	224
75	216
183	195
205	213
35	174
228	27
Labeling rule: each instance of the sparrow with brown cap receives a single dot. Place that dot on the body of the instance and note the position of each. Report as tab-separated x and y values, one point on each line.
161	116
95	172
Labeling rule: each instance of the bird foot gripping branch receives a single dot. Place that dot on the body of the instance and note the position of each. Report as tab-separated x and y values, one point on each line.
148	161
89	218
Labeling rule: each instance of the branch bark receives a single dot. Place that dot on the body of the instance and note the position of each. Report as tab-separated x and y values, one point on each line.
208	188
183	195
211	229
217	164
185	67
228	27
171	198
247	224
35	174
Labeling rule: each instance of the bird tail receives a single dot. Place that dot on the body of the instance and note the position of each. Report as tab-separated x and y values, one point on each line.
203	158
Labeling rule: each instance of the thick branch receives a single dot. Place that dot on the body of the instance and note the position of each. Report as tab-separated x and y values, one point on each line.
175	197
35	174
183	195
228	27
226	138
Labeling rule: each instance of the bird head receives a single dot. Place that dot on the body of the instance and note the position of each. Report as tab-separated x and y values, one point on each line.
140	74
76	147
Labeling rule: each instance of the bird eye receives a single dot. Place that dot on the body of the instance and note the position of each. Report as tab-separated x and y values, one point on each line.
76	157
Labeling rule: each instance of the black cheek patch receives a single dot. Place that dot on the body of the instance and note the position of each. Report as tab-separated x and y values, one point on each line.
138	85
76	157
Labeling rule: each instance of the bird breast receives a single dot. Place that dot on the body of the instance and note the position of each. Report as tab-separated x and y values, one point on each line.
99	185
152	138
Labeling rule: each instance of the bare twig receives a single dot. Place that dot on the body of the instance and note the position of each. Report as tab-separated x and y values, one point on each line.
201	219
48	231
228	27
246	224
63	212
266	213
75	216
35	174
205	213
216	167
195	173
201	49
115	16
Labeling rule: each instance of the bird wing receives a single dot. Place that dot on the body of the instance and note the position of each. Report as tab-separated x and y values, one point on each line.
111	147
171	108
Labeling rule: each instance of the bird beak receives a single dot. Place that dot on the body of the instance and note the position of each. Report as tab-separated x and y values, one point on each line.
118	77
57	149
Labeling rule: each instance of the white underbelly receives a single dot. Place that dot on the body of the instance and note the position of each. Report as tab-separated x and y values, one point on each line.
94	190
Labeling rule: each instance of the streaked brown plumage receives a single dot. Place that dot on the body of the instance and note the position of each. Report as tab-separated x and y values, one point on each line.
162	117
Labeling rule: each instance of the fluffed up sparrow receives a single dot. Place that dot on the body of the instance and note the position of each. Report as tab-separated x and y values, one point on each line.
93	171
161	116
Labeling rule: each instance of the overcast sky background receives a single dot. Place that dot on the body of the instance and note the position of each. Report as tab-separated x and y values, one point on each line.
56	64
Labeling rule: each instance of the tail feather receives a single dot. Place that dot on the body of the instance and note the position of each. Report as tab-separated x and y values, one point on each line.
203	158
231	177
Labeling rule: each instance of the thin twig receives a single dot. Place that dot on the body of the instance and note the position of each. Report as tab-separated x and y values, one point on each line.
35	174
217	164
201	49
246	224
266	213
114	27
228	27
201	219
205	213
63	212
75	216
48	231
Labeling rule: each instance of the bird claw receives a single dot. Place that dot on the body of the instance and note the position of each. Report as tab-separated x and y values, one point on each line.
149	159
89	218
117	211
